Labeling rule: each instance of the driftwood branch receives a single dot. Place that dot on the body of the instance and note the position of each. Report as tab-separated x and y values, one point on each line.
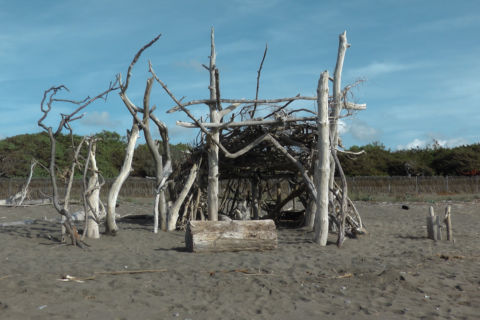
244	123
174	210
322	165
252	113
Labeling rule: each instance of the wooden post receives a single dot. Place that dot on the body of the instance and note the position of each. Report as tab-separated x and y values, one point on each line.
448	222
213	159
337	98
322	164
217	236
430	225
434	226
438	228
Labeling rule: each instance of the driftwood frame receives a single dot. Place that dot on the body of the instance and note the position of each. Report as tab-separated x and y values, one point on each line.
266	134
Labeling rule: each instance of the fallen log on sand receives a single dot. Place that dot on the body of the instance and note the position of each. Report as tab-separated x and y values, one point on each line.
217	236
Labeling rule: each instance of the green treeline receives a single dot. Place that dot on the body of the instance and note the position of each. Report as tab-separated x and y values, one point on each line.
436	160
16	153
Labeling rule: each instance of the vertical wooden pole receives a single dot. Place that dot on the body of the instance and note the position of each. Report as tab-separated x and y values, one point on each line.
337	98
448	222
213	159
438	228
322	164
430	224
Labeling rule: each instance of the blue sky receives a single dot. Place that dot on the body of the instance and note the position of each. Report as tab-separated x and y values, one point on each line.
420	60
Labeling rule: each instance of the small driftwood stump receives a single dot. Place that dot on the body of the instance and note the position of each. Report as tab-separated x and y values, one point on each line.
217	236
448	222
434	226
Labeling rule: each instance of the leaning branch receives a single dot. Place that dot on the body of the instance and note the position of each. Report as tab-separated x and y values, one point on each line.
252	114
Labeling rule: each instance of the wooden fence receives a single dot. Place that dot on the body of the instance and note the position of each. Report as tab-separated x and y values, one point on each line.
140	187
422	185
41	187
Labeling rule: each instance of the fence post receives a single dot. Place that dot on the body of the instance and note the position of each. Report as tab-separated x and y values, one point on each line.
476	184
389	184
9	188
416	184
446	183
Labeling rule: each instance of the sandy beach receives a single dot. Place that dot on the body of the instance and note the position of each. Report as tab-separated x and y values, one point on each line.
394	272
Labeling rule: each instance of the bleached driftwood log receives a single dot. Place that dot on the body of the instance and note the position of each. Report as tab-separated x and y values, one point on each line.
213	157
111	225
337	99
217	236
92	194
348	105
175	208
322	165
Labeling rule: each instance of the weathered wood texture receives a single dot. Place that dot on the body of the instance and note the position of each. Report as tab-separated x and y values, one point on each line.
434	226
448	222
217	236
322	164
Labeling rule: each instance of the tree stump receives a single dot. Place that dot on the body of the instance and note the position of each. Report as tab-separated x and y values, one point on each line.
434	226
218	236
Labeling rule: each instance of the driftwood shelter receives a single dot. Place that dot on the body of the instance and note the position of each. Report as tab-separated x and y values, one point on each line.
256	156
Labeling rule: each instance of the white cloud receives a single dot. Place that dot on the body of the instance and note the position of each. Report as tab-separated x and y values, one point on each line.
359	130
99	119
416	143
427	143
453	142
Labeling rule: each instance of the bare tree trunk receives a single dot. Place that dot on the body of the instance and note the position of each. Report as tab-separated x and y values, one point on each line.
93	207
337	100
213	158
322	168
173	214
111	225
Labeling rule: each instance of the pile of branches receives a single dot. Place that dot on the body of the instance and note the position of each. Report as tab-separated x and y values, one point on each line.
273	144
266	165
